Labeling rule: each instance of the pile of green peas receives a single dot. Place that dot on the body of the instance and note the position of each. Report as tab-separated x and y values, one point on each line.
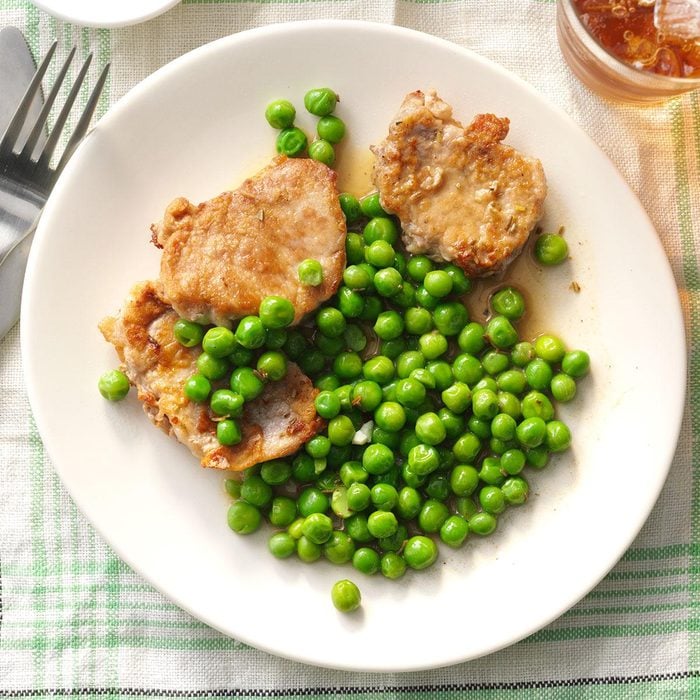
235	365
432	418
292	141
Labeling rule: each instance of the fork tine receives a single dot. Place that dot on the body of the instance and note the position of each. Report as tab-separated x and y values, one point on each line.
15	127
84	121
33	137
55	134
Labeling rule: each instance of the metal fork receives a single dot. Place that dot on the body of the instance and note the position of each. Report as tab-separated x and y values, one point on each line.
27	175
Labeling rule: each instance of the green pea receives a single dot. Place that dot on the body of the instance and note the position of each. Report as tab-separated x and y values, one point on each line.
344	394
246	382
322	151
377	459
454	531
393	348
522	353
355	338
490	472
331	322
243	518
390	415
576	363
515	491
227	432
471	338
320	101
317	527
513	461
371	205
425	299
418	321
341	431
291	142
492	500
467	369
283	511
318	447
389	325
461	284
282	545
501	333
406	296
429	429
327	405
423	459
384	496
419	266
563	387
188	333
388	282
453	423
450	317
482	523
354	244
358	496
393	565
409	503
233	487
356	526
531	432
329	347
420	552
509	403
550	348
382	523
480	427
310	272
438	487
466	448
349	205
379	369
512	381
197	388
294	528
272	365
212	367
438	283
312	362
558	436
484	404
307	550
350	303
380	253
276	312
225	402
486	383
508	302
280	114
250	332
425	377
410	392
551	249
465	506
539	374
312	500
356	277
366	560
296	345
432	345
331	129
503	427
463	480
432	516
380	228
114	385
352	472
495	362
275	339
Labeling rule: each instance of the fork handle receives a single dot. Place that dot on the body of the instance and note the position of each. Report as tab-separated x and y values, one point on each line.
12	268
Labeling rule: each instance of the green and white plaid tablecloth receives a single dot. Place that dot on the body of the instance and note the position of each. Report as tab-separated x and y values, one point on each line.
75	621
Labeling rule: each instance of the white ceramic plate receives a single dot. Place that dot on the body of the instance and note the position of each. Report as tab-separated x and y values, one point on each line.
195	128
105	13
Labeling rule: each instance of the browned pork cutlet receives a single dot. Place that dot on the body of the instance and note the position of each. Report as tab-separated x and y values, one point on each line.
274	425
461	195
222	257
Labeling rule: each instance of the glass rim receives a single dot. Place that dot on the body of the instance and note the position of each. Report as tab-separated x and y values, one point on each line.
614	63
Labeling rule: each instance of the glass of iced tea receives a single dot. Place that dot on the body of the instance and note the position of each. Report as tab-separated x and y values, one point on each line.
641	51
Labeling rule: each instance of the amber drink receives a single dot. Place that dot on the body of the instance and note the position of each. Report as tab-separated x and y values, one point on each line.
641	51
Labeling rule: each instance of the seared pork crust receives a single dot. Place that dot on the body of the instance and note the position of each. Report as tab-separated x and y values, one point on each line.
461	195
274	425
222	257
